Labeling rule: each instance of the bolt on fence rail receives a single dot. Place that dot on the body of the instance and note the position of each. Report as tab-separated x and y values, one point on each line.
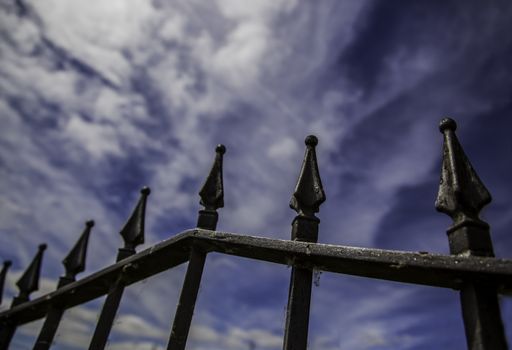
471	268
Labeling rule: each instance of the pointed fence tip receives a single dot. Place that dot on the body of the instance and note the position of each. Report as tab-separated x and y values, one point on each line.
311	140
74	262
447	124
461	193
133	230
29	281
309	193
145	191
221	149
212	191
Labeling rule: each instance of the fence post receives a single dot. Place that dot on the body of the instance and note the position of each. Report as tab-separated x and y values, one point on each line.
462	195
3	273
74	263
133	235
212	198
306	200
28	283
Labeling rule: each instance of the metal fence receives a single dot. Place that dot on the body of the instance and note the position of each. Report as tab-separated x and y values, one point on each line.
471	268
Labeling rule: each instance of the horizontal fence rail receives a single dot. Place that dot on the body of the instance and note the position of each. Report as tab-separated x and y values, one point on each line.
435	270
471	268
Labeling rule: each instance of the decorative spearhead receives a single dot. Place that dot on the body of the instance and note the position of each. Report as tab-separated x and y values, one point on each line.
212	192
3	273
309	193
461	193
29	281
75	261
133	230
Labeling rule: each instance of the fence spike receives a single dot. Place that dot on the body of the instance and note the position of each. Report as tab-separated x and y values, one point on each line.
309	193
461	193
212	198
3	273
133	230
29	281
133	235
74	262
306	200
212	193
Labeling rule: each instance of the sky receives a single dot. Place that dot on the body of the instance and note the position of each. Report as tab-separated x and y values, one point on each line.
100	98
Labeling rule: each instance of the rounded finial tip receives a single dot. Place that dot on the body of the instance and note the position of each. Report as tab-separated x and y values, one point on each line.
447	124
7	263
145	190
220	149
89	223
42	246
311	140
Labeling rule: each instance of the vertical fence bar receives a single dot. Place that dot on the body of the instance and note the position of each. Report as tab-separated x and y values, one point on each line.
74	263
28	283
133	235
306	200
462	195
3	273
212	198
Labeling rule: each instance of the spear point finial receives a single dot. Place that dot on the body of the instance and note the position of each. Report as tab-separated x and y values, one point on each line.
74	262
462	194
212	192
309	193
133	230
29	281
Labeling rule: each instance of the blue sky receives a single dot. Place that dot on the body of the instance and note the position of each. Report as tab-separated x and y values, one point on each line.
99	98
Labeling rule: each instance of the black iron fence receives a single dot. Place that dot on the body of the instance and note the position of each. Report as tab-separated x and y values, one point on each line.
472	268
